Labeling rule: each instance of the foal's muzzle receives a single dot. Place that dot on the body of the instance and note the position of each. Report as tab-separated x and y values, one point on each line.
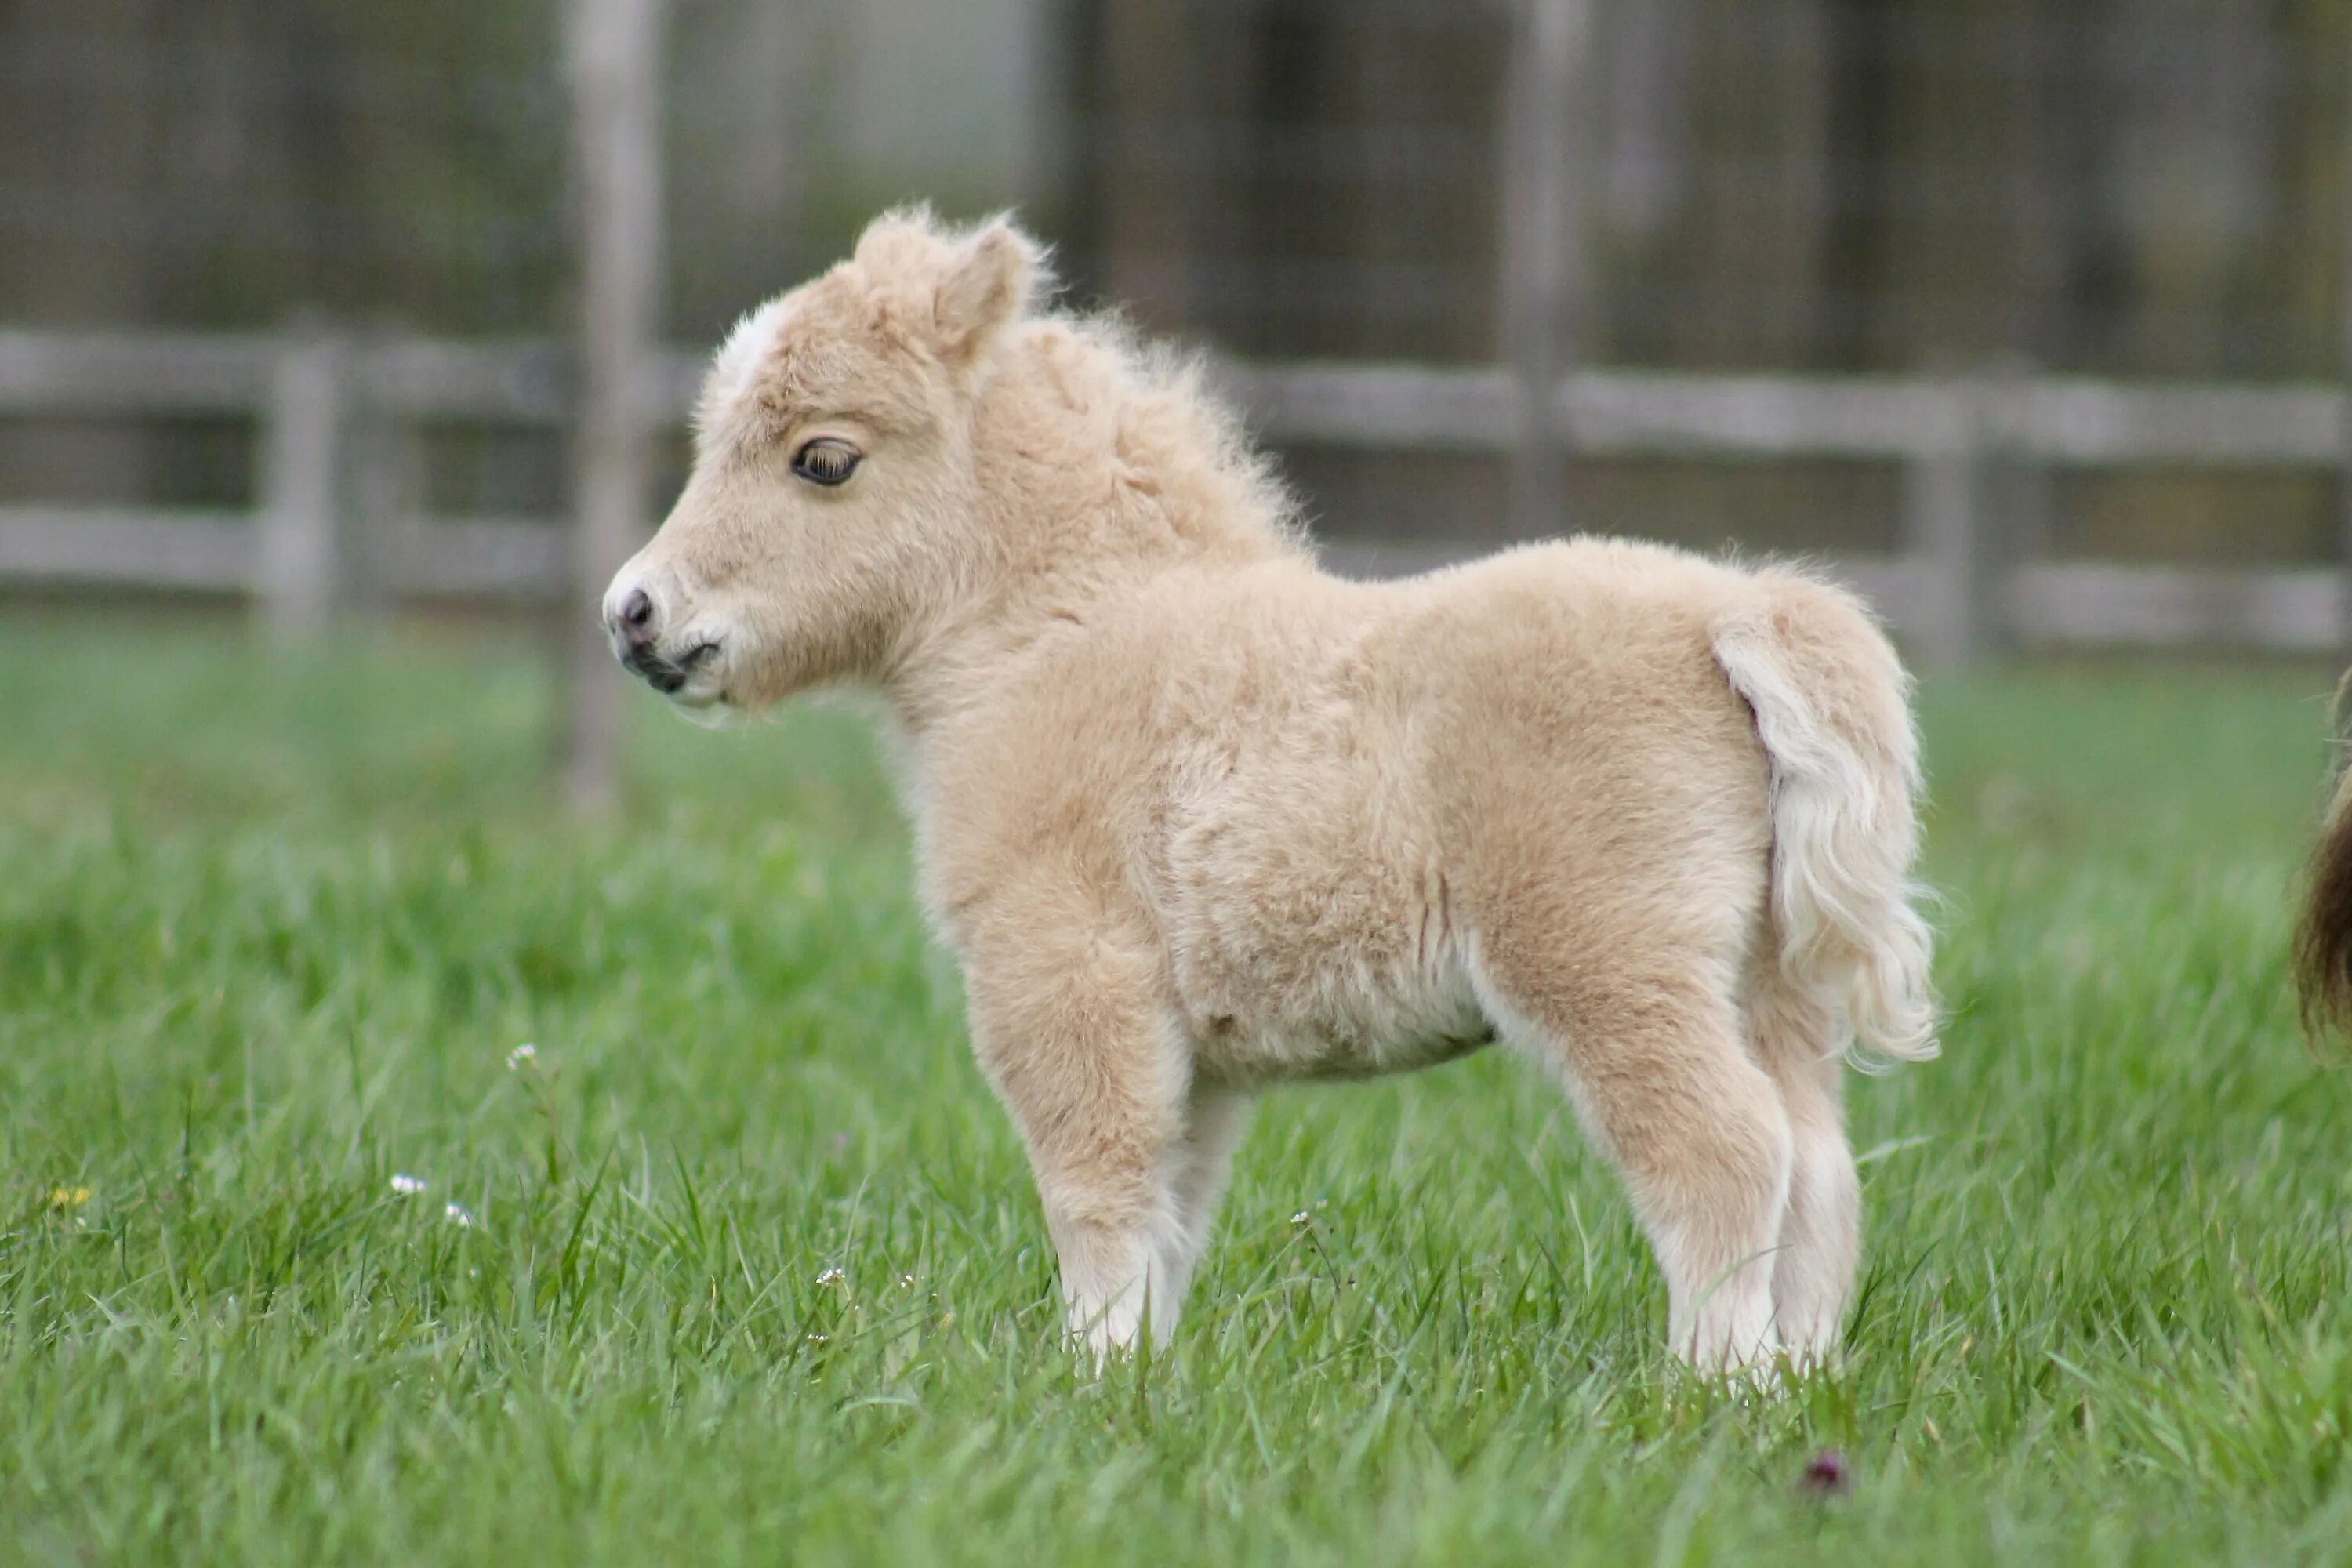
636	622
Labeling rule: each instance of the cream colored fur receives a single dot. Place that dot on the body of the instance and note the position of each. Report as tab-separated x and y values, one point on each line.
1197	817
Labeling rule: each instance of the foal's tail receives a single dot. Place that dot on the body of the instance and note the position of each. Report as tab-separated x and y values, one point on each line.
1832	706
2322	938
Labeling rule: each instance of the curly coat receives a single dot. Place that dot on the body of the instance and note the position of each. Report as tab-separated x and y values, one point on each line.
1197	817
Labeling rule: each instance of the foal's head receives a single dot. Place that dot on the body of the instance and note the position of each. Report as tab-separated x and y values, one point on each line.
831	506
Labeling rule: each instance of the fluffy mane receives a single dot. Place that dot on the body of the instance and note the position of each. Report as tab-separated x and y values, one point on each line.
1178	446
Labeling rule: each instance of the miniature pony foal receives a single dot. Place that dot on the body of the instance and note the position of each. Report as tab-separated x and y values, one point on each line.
1197	817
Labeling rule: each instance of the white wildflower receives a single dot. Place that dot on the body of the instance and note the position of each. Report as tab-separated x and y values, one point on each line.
459	1216
831	1277
523	1055
1301	1218
406	1186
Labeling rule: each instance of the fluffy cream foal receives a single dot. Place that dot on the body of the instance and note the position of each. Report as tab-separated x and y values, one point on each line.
1197	818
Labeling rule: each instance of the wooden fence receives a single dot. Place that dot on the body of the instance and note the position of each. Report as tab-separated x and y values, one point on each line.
334	517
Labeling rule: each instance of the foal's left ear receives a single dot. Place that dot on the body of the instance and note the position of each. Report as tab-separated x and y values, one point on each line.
986	287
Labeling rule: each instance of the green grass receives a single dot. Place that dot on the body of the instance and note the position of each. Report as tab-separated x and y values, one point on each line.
269	929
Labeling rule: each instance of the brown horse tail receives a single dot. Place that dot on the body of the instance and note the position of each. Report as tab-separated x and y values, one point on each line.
2322	939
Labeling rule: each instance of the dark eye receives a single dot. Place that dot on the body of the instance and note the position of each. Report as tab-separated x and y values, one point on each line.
826	461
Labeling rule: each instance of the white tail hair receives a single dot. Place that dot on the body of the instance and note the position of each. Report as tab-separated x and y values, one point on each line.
1831	706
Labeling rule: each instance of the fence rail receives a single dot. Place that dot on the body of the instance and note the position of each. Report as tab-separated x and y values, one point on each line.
331	415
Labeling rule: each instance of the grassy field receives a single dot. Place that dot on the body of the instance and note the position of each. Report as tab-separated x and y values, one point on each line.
742	1264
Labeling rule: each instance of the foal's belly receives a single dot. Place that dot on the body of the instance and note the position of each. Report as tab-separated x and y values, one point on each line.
1313	925
1340	1025
1314	968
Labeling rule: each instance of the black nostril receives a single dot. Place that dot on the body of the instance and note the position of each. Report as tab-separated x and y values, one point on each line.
634	621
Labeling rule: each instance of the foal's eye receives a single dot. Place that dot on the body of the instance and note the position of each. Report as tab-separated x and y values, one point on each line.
826	461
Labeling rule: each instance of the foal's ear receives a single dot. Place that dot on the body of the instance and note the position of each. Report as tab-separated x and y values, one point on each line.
986	287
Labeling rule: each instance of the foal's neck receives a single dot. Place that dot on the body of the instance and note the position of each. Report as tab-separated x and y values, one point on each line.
1097	474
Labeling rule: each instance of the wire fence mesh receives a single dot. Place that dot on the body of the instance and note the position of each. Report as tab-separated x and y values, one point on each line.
1990	189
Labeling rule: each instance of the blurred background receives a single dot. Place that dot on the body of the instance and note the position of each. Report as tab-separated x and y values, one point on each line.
396	1168
2028	317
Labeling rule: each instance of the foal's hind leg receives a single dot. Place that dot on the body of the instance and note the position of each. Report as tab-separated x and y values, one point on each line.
1821	1233
1650	1047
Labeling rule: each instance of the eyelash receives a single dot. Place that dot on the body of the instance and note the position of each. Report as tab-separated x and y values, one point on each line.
828	460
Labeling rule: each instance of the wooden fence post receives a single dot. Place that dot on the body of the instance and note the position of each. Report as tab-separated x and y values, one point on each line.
1945	535
1543	262
615	54
382	456
2344	349
302	431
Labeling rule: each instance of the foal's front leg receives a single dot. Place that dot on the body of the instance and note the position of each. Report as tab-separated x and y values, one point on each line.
1098	1078
1215	1118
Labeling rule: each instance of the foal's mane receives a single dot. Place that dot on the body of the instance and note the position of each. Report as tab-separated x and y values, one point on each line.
1174	436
